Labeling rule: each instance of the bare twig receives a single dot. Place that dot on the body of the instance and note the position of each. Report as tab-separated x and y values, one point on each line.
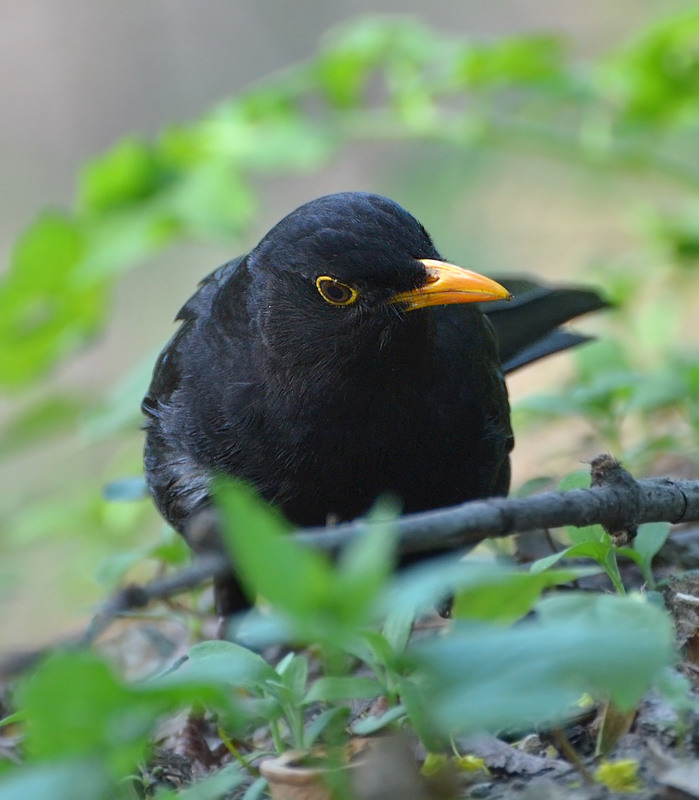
617	505
615	501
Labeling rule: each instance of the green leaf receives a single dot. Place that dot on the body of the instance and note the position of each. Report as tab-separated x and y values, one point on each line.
332	688
579	479
68	779
213	200
127	174
366	564
371	647
512	61
46	310
353	52
397	628
547	562
642	625
650	539
10	719
483	678
119	240
604	553
292	577
77	708
223	662
294	675
654	80
587	533
213	787
277	142
503	596
372	724
330	724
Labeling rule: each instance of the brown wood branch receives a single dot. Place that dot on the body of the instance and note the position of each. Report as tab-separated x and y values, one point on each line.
615	500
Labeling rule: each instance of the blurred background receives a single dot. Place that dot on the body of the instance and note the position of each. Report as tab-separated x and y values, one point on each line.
557	140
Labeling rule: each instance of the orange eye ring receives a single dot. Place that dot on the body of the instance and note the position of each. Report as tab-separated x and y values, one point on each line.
335	292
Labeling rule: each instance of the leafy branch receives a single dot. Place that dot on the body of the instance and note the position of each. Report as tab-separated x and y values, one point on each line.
378	78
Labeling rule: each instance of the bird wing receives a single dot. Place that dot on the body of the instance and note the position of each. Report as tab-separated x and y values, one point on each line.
178	482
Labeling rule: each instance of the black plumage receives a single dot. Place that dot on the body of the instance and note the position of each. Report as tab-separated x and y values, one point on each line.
323	369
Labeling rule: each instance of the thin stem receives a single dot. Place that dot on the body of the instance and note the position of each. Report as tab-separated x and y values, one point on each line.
276	736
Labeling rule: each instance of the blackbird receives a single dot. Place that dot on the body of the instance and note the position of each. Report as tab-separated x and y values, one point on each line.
342	359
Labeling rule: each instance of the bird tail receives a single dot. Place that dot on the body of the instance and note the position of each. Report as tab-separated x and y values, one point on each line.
527	326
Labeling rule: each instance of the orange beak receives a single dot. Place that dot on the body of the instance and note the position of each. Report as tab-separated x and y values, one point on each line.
447	283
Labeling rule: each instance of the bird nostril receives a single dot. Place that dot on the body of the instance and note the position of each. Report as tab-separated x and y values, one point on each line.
432	277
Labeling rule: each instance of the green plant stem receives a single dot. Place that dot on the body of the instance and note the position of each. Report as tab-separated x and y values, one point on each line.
239	757
615	576
276	736
572	756
295	720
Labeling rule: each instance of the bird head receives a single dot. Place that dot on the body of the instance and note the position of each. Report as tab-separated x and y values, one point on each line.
353	259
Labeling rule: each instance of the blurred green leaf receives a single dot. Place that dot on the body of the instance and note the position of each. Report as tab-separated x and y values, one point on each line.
170	549
224	662
502	596
69	779
648	542
354	51
533	486
367	562
213	200
517	60
484	590
76	708
334	688
331	724
45	309
128	173
483	678
294	674
371	724
644	625
603	552
397	628
213	787
579	479
296	579
654	81
117	241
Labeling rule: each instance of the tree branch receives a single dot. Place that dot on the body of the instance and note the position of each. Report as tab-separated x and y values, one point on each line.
615	500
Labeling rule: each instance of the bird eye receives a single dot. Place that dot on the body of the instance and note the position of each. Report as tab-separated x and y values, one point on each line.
336	293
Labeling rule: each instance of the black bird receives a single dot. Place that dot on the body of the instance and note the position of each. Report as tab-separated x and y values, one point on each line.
339	360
